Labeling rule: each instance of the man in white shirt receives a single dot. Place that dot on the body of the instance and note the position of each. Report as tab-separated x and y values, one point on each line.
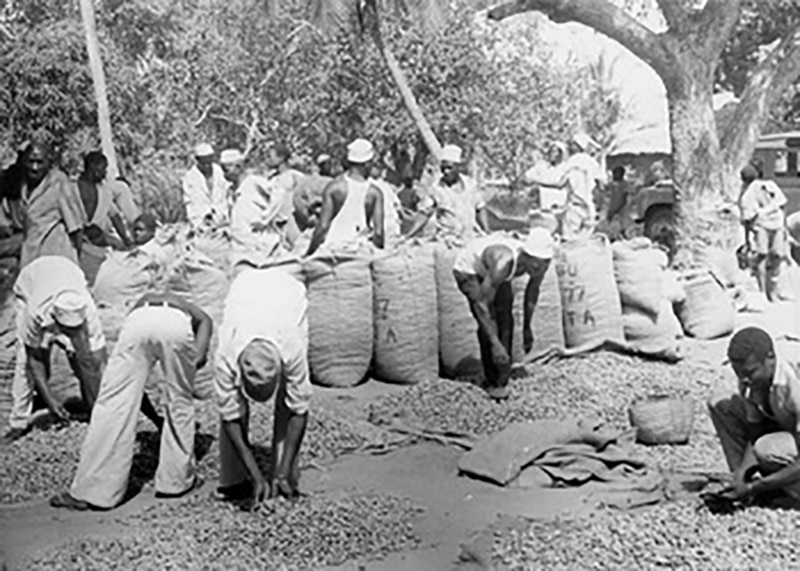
580	175
263	348
260	212
762	202
454	199
54	307
205	190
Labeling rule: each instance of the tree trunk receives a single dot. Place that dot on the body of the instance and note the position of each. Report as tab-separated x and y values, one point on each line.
698	166
402	84
99	81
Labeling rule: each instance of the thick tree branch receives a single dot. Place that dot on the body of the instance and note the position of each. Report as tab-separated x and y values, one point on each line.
675	15
716	23
607	19
772	76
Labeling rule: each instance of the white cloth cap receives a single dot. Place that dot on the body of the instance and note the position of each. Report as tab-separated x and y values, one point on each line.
583	141
231	156
451	154
360	151
539	244
203	150
69	307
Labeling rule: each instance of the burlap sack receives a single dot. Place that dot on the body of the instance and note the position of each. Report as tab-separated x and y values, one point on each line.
405	316
638	273
340	314
548	328
459	351
707	312
592	313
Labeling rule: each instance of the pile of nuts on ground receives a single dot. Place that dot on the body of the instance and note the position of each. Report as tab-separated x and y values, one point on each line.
22	478
202	533
602	385
682	535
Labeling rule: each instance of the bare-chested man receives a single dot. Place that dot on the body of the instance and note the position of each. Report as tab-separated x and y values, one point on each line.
484	270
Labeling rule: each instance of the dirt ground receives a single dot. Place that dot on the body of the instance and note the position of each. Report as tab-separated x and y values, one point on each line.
456	509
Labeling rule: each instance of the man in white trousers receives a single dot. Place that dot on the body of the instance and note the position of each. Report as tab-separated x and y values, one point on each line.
164	328
263	349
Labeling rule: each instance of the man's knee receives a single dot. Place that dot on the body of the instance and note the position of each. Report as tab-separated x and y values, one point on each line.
775	450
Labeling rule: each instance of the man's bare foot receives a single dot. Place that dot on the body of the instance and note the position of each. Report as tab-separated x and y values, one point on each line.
65	500
14	434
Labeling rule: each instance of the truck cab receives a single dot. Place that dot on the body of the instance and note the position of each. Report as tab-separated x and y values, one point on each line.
776	154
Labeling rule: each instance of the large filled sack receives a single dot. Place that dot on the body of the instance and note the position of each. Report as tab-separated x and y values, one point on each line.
121	280
722	262
707	312
459	351
638	273
405	316
340	313
124	277
592	313
653	336
197	279
548	327
216	246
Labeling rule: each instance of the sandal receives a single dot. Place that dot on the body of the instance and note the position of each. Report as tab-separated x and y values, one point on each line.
196	483
65	500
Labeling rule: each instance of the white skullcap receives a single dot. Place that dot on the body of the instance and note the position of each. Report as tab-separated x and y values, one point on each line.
260	364
231	157
360	151
69	307
203	150
451	154
323	157
539	244
583	140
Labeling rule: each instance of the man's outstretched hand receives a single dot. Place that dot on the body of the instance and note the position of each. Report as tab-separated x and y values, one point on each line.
260	492
282	487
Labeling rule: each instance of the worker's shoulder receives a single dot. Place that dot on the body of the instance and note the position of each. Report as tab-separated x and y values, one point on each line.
337	186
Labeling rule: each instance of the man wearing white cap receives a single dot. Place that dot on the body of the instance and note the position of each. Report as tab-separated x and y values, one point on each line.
260	213
580	176
163	328
205	190
263	348
54	307
483	271
455	199
352	207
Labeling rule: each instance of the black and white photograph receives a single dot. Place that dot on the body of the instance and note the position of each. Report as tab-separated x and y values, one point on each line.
399	285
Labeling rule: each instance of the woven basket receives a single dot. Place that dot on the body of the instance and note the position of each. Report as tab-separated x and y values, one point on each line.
660	419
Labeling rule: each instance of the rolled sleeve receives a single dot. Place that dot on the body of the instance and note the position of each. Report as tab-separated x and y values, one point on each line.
298	382
230	402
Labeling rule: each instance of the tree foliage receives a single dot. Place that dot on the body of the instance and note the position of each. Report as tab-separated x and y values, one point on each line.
237	74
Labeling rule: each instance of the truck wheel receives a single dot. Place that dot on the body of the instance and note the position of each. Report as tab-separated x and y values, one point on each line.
659	226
